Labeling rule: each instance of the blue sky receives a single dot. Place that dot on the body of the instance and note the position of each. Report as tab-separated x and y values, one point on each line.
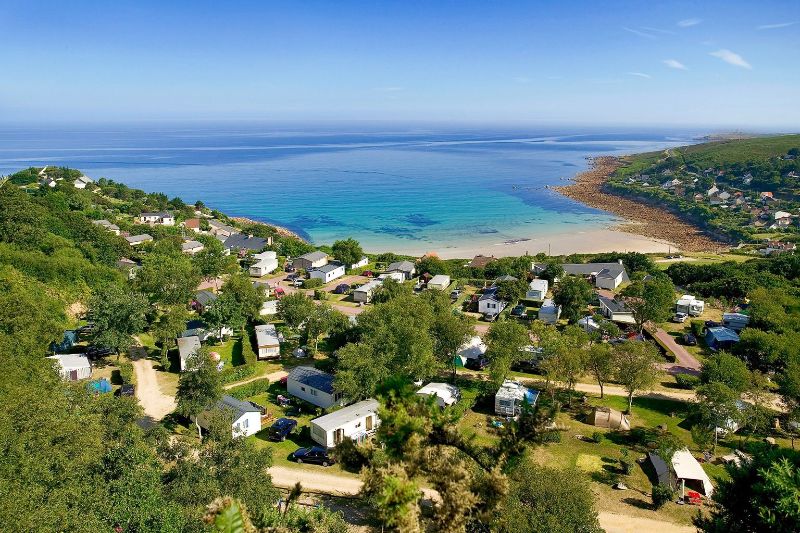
710	63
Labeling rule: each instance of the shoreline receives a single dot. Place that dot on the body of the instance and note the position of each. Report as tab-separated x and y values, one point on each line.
641	219
280	230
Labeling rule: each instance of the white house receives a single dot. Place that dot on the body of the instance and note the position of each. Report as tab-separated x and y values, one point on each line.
489	303
364	261
313	386
406	268
246	417
549	312
609	278
192	247
689	305
269	307
81	182
511	396
269	345
363	294
537	290
310	261
163	218
328	272
397	276
355	422
440	282
136	240
220	230
615	311
266	262
445	393
187	346
105	224
73	367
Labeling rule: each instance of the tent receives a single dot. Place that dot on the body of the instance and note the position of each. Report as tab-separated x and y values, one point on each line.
688	470
73	366
605	417
99	385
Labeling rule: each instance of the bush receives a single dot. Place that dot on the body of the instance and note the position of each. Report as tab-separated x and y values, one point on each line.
687	381
597	437
258	386
320	294
697	327
625	462
248	354
236	373
661	494
126	373
312	283
350	455
553	436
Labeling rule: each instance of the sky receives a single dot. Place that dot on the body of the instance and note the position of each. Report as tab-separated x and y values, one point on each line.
712	63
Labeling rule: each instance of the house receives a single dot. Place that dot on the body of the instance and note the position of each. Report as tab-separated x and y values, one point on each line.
778	247
203	300
246	417
328	272
439	282
220	230
444	393
689	472
767	196
266	262
549	312
537	290
129	267
399	277
490	303
363	294
73	367
82	181
364	261
712	191
192	224
782	219
721	338
268	341
407	268
735	321
472	349
689	305
511	396
310	261
162	218
47	181
356	422
480	261
105	224
603	275
187	347
269	307
313	386
605	417
191	247
615	310
136	240
238	242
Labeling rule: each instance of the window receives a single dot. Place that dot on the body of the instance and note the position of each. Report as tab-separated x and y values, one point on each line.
303	389
313	392
245	423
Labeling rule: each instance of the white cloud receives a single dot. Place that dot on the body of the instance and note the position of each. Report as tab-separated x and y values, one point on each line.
731	58
640	75
674	63
685	23
776	26
658	30
639	33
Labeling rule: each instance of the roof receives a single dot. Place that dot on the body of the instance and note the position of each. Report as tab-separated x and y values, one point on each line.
613	305
440	279
217	225
240	241
347	414
266	334
480	261
71	360
160	214
723	334
238	407
330	267
609	273
448	393
190	245
660	467
515	390
369	286
586	269
548	306
686	467
312	377
192	223
506	277
490	294
204	297
139	238
313	256
473	348
538	285
402	266
188	345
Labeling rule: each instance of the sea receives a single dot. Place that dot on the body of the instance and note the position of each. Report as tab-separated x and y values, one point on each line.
392	186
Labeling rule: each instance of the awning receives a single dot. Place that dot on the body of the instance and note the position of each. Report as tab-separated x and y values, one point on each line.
686	467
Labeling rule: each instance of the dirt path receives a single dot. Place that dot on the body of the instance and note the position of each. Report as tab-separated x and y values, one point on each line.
274	376
156	404
621	523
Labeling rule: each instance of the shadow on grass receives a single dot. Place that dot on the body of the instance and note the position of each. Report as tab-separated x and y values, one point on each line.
639	503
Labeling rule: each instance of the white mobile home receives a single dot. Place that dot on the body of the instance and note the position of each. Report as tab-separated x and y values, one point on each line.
491	304
355	422
313	386
311	261
689	305
399	277
136	240
269	307
549	312
364	261
269	345
163	218
472	349
511	396
537	290
439	281
266	262
192	247
187	347
735	321
246	417
73	367
363	294
615	310
328	272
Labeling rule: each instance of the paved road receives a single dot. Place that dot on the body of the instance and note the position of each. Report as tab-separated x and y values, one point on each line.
685	363
155	403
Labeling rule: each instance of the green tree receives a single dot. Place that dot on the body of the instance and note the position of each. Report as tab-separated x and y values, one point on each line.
212	261
572	294
600	362
505	341
118	315
347	251
167	279
564	356
430	264
635	366
198	387
511	290
552	271
390	289
248	354
449	330
649	301
248	298
717	405
170	323
727	369
322	319
295	308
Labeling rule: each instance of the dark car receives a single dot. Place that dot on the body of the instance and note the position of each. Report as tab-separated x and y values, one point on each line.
528	366
315	454
689	340
281	429
713	324
477	363
341	288
126	390
93	352
519	311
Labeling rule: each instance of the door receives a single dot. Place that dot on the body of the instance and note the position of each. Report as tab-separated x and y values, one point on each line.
73	375
338	436
369	423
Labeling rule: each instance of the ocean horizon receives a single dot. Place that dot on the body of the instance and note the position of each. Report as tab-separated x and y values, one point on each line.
409	189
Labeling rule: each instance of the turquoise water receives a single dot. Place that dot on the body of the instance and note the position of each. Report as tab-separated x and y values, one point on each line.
404	188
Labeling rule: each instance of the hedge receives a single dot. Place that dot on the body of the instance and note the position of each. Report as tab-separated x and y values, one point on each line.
236	373
687	381
258	386
126	373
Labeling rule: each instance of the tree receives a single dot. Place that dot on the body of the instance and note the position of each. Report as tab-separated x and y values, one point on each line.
511	290
649	301
390	289
449	331
564	356
169	325
552	271
247	297
198	387
635	366
118	315
727	369
718	406
294	309
168	278
505	341
347	251
212	261
572	294
430	264
600	362
321	320
536	503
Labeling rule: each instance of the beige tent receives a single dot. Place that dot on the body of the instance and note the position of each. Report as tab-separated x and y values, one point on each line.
605	417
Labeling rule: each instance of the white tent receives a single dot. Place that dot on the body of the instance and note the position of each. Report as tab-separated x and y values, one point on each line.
73	366
687	468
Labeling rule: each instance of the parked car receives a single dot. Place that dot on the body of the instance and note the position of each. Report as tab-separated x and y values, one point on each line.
315	454
288	267
279	292
281	429
292	277
689	340
419	286
477	363
298	282
519	311
93	352
342	288
680	318
126	390
455	293
368	273
490	317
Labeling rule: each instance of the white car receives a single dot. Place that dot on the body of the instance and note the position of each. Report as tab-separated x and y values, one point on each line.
680	318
